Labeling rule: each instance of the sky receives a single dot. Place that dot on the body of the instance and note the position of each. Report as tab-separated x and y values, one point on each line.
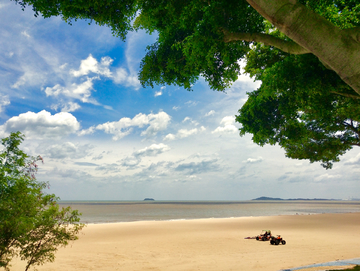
73	91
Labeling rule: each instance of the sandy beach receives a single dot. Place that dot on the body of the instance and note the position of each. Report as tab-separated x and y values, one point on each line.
211	244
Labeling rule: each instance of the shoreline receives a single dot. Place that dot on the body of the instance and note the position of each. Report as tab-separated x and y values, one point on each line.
205	218
211	244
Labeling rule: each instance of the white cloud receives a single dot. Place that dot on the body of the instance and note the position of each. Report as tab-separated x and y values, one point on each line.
227	127
191	103
254	160
204	166
24	33
229	120
210	113
176	108
69	150
182	133
81	91
169	137
123	127
129	80
88	131
70	107
188	119
160	92
91	65
43	124
353	161
153	150
130	161
4	101
135	158
29	77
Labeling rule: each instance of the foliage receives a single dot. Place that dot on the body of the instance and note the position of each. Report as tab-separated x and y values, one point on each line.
190	40
292	109
302	106
31	224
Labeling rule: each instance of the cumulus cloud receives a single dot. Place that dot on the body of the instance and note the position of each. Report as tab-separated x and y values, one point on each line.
70	107
135	159
210	113
91	65
198	167
123	127
107	168
130	162
227	126
190	120
182	133
123	77
153	150
43	124
169	137
69	150
80	91
254	160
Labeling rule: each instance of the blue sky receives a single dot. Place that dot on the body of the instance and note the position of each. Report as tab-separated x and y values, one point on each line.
73	91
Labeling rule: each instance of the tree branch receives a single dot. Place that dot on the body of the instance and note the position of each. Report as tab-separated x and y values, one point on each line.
346	95
333	46
353	32
352	128
286	46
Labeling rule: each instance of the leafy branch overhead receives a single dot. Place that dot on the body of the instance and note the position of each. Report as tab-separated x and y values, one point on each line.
196	37
305	52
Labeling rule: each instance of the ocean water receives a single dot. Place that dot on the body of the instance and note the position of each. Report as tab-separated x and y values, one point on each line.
128	211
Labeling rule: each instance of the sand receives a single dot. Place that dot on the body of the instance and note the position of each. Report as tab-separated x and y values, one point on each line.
211	244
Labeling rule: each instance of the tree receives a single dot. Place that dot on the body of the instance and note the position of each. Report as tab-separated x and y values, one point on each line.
31	224
291	108
207	38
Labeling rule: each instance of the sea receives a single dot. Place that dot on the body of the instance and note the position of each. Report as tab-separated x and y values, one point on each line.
94	212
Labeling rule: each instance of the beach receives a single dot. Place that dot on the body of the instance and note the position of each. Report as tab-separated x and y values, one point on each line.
211	244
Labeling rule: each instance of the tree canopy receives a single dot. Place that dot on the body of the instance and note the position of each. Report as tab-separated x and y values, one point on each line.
32	226
207	38
306	52
292	109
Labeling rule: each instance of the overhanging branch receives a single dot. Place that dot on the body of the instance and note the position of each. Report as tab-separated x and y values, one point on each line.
286	46
346	95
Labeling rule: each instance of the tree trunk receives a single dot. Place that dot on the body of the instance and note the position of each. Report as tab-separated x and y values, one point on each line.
336	48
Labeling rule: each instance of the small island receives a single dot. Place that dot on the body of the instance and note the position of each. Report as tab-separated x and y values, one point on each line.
146	199
269	198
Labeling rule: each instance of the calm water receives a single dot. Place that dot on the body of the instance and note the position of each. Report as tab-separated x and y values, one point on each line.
126	211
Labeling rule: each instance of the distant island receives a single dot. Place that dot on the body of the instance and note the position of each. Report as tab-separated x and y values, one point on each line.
269	198
148	199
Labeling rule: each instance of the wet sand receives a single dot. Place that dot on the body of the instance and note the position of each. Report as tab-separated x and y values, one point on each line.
211	244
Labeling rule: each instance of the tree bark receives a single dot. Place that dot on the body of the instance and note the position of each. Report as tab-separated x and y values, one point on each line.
336	48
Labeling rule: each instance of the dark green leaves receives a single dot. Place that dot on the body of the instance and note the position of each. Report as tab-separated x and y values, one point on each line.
301	106
115	14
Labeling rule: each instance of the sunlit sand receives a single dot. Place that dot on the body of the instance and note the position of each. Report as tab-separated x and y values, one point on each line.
211	244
